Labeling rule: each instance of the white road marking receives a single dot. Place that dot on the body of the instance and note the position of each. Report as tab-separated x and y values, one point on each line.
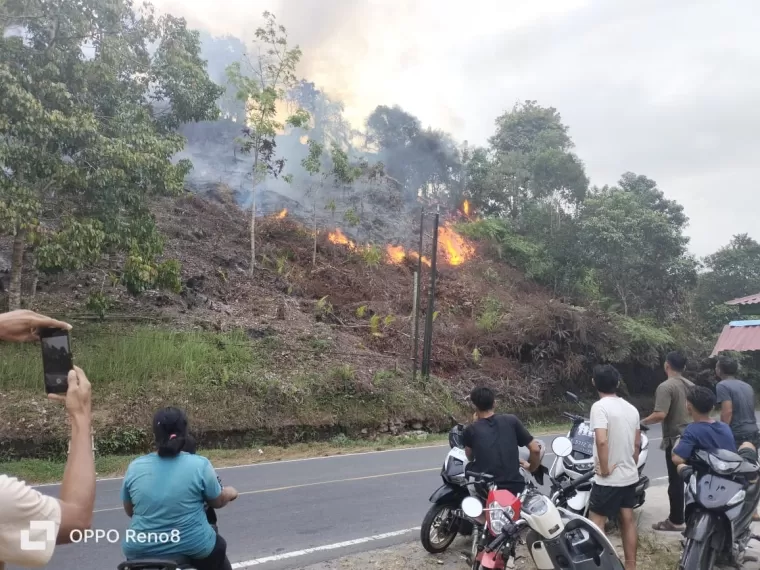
336	546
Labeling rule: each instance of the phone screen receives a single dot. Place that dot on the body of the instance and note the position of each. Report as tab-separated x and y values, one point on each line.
56	360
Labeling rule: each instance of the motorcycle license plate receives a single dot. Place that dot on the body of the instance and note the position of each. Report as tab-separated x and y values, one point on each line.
583	440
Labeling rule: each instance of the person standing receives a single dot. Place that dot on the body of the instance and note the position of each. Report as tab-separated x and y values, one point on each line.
737	405
670	409
617	444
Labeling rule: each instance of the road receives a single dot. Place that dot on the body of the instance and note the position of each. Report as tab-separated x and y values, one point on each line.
293	513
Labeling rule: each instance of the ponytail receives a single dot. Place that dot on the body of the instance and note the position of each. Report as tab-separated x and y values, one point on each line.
171	447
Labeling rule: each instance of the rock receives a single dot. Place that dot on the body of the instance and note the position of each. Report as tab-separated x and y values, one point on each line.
417	426
365	431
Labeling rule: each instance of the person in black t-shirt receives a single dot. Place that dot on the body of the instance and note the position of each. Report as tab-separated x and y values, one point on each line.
491	443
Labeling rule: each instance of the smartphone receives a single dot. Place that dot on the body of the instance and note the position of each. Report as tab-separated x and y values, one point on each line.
56	360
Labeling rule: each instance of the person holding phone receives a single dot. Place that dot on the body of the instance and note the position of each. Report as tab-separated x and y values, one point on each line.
20	504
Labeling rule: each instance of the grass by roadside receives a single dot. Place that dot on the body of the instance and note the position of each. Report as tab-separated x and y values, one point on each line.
51	470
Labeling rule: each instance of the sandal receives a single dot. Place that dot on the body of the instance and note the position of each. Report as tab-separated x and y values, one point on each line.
667	526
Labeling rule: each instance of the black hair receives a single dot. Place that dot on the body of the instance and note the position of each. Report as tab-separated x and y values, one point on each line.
702	399
606	378
676	360
728	365
170	431
483	398
190	444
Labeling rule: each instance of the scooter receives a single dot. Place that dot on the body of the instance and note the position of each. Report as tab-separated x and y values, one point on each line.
442	522
722	494
557	538
581	461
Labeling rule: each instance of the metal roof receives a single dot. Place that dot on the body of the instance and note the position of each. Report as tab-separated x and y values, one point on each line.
748	300
739	336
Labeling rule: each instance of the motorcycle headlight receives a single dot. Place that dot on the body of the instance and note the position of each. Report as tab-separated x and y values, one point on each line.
536	505
499	516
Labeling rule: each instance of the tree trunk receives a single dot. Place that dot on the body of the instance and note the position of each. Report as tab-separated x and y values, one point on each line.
33	288
17	265
314	254
253	209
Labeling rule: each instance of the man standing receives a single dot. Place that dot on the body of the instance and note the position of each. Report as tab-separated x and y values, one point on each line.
670	409
20	504
617	444
737	404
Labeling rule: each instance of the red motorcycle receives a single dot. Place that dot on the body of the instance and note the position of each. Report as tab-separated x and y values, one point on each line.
501	512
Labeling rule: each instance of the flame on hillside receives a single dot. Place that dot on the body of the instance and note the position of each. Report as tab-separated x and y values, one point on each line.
282	214
339	238
396	253
415	256
454	247
466	208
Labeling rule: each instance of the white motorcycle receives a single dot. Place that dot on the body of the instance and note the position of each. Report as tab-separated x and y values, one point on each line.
557	538
580	461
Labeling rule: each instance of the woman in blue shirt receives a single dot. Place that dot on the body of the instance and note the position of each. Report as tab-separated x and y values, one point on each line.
165	493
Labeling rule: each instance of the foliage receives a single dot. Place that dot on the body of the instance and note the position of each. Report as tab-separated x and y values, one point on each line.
89	137
261	84
425	161
638	251
351	217
372	255
732	272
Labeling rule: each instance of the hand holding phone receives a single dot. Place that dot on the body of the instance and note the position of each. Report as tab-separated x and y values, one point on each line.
57	361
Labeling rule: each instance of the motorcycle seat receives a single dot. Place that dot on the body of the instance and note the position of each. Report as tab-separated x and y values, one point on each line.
178	563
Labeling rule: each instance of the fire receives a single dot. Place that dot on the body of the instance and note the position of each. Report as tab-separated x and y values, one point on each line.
466	208
414	255
304	139
396	253
339	238
454	246
282	214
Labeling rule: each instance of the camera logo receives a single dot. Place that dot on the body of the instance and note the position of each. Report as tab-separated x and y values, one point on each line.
25	535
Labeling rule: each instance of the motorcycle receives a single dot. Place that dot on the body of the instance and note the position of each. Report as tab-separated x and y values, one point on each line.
722	493
557	538
581	461
442	522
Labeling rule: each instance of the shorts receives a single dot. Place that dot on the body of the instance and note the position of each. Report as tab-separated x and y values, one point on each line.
607	501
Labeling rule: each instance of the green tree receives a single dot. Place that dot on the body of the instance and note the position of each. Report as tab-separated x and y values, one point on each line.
733	271
91	93
638	253
265	81
532	158
313	165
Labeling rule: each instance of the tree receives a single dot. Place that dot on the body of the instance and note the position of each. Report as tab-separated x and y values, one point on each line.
88	115
638	252
733	271
328	126
425	161
267	80
532	158
313	165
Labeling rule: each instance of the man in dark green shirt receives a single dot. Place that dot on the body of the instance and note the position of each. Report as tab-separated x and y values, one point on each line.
670	409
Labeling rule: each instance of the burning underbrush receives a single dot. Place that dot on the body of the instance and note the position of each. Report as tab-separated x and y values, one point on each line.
346	319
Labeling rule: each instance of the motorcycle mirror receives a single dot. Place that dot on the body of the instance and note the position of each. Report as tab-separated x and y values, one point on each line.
562	446
472	507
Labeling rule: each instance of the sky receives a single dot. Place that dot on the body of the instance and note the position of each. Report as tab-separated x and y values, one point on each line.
667	89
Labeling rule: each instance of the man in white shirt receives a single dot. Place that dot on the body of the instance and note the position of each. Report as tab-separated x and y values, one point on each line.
617	443
31	524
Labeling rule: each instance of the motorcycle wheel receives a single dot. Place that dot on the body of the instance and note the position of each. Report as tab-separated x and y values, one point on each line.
439	529
698	555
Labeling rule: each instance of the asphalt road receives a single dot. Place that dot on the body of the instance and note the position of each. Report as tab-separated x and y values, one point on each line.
299	512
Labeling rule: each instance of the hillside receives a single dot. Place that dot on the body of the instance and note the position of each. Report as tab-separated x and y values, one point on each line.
299	351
